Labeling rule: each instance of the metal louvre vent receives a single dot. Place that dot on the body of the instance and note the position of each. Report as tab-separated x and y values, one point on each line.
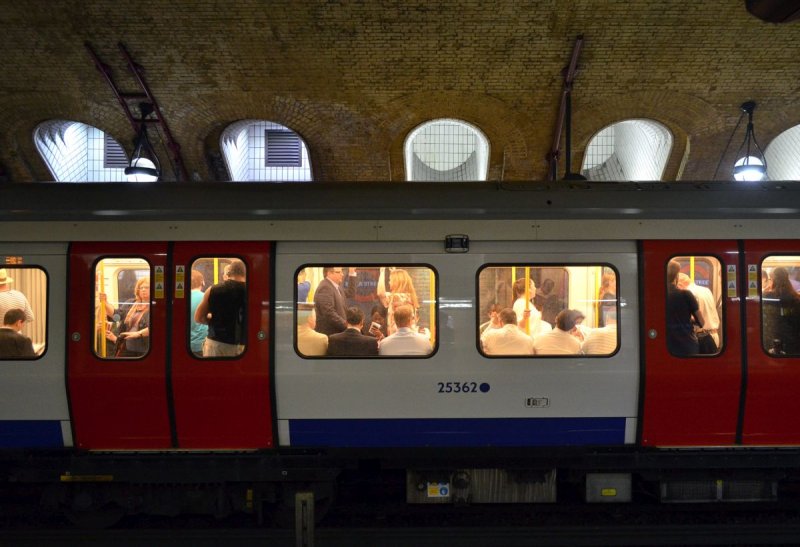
282	149
113	154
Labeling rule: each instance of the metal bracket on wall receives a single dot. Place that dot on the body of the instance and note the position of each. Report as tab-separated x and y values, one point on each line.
143	96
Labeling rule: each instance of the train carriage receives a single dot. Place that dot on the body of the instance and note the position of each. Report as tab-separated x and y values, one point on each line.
94	428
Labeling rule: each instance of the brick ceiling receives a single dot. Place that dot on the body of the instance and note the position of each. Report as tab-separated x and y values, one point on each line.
354	77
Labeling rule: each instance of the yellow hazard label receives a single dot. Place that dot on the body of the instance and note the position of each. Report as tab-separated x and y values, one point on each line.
608	492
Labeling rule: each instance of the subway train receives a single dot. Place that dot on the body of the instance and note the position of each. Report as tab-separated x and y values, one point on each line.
167	429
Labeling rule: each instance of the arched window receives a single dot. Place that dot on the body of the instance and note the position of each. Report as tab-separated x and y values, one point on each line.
783	155
259	150
446	150
628	150
76	152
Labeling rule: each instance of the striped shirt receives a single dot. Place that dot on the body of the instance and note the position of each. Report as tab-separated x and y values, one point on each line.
10	300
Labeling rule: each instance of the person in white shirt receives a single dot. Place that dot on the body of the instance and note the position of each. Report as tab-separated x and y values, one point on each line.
509	339
405	341
562	340
602	341
706	303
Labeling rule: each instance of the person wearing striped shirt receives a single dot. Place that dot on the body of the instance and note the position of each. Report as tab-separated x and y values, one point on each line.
11	299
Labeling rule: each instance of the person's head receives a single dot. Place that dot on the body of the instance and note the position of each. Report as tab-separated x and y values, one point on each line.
673	269
684	281
141	291
547	286
780	280
608	283
197	280
400	282
15	319
354	317
508	316
301	275
306	316
403	316
5	280
494	312
235	271
567	319
519	288
334	273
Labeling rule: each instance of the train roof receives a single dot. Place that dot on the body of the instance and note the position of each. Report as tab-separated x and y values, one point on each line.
23	202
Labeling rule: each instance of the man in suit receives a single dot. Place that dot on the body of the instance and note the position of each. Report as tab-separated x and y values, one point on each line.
329	300
351	342
14	345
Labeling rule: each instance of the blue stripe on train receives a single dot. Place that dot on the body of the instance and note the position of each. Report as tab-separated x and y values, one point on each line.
30	434
458	432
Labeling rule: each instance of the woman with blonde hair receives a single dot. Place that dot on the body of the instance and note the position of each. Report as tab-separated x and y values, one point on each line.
401	291
607	297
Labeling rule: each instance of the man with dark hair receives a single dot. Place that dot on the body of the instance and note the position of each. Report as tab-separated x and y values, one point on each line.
329	300
562	340
224	310
351	342
508	339
14	345
683	313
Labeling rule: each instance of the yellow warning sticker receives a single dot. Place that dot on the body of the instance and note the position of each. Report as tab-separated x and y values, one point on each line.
731	281
180	281
752	280
159	286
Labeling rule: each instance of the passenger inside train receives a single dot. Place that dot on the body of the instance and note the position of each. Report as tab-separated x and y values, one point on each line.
581	295
378	292
25	289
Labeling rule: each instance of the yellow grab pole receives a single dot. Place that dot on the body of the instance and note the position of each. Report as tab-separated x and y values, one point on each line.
527	298
100	312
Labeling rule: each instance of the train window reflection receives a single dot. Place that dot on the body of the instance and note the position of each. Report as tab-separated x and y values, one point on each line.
217	307
780	305
694	305
365	310
547	310
122	308
23	312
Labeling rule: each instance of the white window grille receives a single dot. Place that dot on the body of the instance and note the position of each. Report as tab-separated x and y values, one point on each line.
629	150
446	150
76	152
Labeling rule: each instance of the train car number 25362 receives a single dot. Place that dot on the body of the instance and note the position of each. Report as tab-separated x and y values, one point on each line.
462	387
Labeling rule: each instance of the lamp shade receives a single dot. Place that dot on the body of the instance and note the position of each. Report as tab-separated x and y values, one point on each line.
749	168
142	170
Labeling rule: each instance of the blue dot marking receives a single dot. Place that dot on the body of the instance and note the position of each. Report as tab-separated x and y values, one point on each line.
485	388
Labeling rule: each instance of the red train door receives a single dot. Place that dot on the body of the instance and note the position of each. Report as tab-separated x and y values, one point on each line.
222	402
118	394
772	404
691	399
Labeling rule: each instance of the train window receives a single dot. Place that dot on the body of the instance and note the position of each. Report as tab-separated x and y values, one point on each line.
365	311
547	310
694	292
218	307
780	305
23	312
122	308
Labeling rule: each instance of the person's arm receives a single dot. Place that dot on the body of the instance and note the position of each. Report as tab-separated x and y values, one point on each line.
201	313
382	288
695	307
